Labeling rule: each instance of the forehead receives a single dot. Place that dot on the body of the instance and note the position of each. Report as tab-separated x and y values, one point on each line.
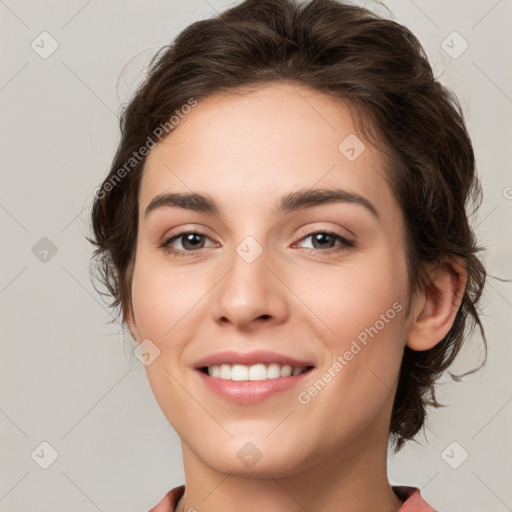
248	146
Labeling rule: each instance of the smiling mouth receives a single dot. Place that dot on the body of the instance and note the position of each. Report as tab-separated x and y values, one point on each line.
256	372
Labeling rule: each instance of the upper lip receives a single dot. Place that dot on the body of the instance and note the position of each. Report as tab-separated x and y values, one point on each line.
250	358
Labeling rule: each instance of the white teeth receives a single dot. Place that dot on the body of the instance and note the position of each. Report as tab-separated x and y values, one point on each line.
225	371
239	372
286	370
258	371
273	371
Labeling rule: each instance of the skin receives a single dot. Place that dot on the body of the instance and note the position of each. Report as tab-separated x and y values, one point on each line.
245	151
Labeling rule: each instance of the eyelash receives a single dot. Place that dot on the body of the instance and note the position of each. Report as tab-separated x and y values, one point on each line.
346	244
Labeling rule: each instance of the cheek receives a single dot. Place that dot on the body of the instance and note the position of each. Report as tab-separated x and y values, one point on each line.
162	299
163	304
362	311
352	297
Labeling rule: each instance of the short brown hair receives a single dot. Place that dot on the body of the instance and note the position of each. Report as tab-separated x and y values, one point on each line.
380	70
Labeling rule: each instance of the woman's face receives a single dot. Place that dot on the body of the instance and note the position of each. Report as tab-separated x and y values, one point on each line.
279	273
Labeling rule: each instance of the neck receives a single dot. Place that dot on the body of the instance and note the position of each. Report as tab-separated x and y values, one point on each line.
354	480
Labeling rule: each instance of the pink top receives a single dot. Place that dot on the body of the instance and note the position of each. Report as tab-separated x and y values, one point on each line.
413	500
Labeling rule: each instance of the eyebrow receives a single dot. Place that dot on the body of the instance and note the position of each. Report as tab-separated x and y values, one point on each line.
300	199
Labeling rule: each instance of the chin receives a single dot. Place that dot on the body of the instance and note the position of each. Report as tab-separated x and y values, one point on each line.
253	457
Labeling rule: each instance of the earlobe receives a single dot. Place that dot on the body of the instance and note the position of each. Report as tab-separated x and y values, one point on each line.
435	308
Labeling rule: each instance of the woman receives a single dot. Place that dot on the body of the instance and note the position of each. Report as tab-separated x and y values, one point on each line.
284	231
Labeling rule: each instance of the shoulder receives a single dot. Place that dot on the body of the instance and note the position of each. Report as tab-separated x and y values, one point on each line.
169	501
413	501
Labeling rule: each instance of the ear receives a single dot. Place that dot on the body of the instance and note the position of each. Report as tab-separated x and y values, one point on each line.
435	307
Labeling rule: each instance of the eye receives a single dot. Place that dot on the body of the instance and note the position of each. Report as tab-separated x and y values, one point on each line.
191	242
325	241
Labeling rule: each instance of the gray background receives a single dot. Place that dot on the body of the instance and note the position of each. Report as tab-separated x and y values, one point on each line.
66	375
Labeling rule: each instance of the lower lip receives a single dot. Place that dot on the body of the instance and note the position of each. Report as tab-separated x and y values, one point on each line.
252	391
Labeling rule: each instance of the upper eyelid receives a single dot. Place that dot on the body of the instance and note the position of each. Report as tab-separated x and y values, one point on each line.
311	231
181	234
185	231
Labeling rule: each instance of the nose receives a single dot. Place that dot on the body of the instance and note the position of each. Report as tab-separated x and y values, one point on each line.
251	293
